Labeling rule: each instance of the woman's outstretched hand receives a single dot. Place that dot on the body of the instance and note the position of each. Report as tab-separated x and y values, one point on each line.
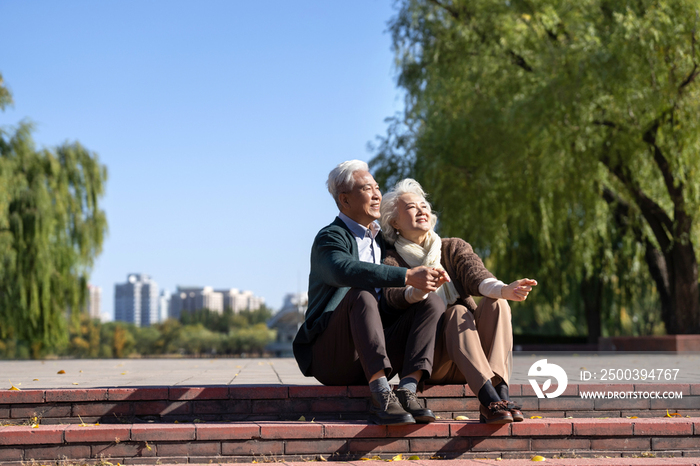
518	290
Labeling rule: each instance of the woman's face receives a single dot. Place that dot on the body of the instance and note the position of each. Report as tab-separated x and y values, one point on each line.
413	217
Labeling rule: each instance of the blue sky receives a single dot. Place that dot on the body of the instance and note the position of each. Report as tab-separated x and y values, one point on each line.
218	122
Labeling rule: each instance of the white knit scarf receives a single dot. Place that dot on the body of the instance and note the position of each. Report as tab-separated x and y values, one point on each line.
429	255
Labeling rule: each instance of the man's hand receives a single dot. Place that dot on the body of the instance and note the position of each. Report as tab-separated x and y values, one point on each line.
518	290
426	278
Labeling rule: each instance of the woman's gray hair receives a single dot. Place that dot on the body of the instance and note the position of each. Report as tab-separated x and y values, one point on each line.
340	179
389	207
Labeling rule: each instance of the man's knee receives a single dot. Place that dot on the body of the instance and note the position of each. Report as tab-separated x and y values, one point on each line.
361	299
433	305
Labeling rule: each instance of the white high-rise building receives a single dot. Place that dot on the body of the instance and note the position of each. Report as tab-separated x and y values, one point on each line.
136	301
194	298
241	300
163	305
94	302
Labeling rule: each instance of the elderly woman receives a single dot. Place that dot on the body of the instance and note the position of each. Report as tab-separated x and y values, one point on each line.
474	342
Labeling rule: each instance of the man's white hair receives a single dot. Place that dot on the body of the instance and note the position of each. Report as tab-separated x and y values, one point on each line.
340	179
389	207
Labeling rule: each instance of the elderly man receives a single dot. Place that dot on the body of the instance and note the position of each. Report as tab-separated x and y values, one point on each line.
343	340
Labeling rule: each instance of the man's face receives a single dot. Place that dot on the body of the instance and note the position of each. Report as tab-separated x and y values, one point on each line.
362	202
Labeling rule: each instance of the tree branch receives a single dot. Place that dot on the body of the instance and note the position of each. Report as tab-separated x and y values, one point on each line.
608	123
676	192
519	61
659	221
694	73
656	261
691	77
683	221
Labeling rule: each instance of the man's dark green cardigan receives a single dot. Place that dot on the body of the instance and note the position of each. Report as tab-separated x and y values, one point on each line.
335	268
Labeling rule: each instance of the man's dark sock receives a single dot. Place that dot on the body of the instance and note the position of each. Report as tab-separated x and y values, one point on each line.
502	389
409	383
488	394
379	385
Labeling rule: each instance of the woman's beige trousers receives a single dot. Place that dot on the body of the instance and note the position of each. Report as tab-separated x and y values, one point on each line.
474	348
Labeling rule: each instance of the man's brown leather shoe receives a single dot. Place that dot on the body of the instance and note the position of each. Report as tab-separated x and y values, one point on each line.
409	402
386	410
496	413
514	411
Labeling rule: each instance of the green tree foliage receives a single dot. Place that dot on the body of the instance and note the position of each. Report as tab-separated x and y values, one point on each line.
224	322
51	229
93	339
561	138
5	96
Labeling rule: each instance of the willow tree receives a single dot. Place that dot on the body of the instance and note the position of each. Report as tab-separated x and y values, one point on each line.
561	137
51	229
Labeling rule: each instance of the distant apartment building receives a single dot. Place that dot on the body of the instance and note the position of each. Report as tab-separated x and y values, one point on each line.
241	300
164	305
94	302
190	299
136	301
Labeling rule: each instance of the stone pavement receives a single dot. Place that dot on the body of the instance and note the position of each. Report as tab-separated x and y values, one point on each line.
92	373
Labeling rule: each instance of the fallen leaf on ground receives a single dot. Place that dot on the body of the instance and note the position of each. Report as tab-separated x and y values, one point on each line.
414	458
461	418
398	457
632	417
61	372
537	458
535	417
302	418
75	383
672	414
35	380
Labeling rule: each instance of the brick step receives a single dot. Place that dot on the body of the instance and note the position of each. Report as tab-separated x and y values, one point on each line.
290	402
350	440
604	461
